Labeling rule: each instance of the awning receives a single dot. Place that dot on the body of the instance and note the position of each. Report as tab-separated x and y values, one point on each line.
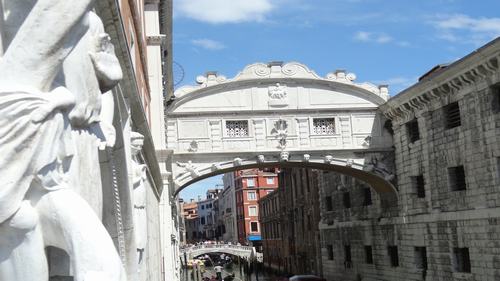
254	238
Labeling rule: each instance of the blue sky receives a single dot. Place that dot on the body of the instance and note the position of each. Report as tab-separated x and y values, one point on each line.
381	41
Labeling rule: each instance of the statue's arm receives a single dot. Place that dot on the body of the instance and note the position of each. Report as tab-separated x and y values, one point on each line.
47	36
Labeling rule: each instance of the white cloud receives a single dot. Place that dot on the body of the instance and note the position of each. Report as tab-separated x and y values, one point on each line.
373	37
362	36
208	44
466	29
224	11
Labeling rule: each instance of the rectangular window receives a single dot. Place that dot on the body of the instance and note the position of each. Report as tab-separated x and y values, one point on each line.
329	250
346	198
324	126
270	180
367	196
252	211
250	182
461	260
495	91
368	255
202	220
456	178
254	226
393	255
251	196
421	258
237	128
418	185
452	115
329	203
347	256
203	207
412	130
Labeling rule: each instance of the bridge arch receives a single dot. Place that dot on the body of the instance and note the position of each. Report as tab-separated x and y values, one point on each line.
279	115
375	174
245	252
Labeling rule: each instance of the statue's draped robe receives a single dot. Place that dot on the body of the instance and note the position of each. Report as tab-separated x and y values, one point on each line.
30	151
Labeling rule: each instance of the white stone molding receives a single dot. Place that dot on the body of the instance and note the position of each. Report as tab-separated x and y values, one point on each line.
278	70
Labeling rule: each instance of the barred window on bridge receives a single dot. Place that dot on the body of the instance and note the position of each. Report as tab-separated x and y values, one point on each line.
237	128
323	126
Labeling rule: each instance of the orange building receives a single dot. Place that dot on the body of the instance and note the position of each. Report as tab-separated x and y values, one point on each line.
250	186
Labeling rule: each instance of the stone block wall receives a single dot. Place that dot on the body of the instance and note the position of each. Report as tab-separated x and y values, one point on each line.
447	219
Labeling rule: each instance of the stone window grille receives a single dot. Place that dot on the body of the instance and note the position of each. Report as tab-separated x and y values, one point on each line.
413	132
324	126
421	258
452	115
254	226
393	255
329	203
461	260
367	196
418	185
237	128
368	255
347	256
329	250
346	198
456	178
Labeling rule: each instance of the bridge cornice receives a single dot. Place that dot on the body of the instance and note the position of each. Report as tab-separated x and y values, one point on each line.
290	73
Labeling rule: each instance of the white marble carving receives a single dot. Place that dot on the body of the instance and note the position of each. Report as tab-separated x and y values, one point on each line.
38	203
189	168
261	158
139	178
277	95
284	156
306	158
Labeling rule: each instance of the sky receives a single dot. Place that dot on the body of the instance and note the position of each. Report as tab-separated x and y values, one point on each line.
382	41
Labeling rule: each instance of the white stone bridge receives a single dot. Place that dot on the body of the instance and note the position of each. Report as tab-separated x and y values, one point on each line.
245	252
279	115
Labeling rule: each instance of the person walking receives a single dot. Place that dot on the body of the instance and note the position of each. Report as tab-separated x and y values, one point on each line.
218	271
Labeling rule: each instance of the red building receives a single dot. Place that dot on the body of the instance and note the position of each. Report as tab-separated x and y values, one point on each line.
250	186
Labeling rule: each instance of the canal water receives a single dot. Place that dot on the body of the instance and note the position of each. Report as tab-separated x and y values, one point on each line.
239	275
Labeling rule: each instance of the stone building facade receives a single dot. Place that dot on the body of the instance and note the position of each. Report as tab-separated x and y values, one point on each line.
445	223
289	221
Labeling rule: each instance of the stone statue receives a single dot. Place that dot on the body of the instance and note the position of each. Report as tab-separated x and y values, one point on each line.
38	205
139	194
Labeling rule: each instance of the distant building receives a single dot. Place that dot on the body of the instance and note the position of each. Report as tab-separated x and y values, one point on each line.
250	186
289	221
227	213
191	221
207	216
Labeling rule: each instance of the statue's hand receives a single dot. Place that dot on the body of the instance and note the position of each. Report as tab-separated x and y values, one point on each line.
109	133
59	98
106	64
